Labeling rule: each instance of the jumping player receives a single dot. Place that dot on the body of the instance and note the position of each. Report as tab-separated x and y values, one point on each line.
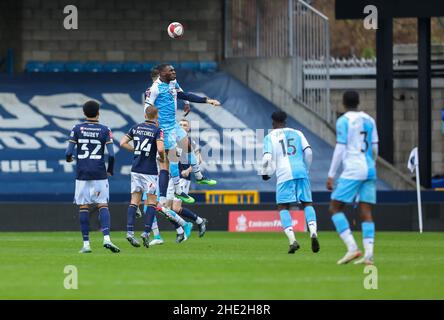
163	94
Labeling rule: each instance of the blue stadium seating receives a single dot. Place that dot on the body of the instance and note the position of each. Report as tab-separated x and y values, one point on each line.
75	66
55	66
189	65
147	66
132	67
113	67
93	66
208	66
35	66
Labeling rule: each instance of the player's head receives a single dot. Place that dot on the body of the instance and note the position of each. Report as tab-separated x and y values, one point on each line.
154	73
166	72
279	119
185	124
350	99
91	109
151	113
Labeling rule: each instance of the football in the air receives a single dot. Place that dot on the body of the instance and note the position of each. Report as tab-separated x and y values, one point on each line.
175	30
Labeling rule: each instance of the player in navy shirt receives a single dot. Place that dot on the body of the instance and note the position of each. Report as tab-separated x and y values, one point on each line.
90	138
147	140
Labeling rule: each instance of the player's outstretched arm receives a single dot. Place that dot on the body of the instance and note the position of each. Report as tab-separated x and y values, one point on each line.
111	157
191	97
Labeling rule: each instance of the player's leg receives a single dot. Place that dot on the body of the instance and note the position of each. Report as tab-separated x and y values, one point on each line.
367	197
187	213
148	219
164	178
100	191
82	199
303	191
131	217
191	157
344	192
84	227
170	146
285	195
181	232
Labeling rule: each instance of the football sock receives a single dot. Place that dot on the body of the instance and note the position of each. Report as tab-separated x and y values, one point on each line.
155	227
105	220
310	217
164	177
148	218
84	224
131	217
195	167
189	214
180	230
343	228
86	243
174	170
287	225
368	235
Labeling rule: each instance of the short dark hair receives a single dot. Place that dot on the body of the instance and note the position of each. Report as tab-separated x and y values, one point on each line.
154	72
350	99
279	116
91	108
162	66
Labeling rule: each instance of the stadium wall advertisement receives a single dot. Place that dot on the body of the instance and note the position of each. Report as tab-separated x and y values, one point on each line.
263	221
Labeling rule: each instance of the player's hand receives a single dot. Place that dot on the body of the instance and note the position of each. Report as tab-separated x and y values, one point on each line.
186	109
329	184
69	158
110	174
185	173
266	177
213	102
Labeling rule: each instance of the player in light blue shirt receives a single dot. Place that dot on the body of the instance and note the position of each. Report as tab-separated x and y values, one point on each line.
163	93
287	152
356	149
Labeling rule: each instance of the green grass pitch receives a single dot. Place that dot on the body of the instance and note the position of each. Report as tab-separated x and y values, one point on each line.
221	265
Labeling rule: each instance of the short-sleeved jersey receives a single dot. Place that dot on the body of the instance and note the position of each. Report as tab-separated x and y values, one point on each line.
287	149
145	136
90	138
357	130
164	97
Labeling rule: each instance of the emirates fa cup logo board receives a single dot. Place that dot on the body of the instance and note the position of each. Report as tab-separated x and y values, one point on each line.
263	221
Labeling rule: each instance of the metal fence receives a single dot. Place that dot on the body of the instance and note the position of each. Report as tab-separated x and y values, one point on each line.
287	29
